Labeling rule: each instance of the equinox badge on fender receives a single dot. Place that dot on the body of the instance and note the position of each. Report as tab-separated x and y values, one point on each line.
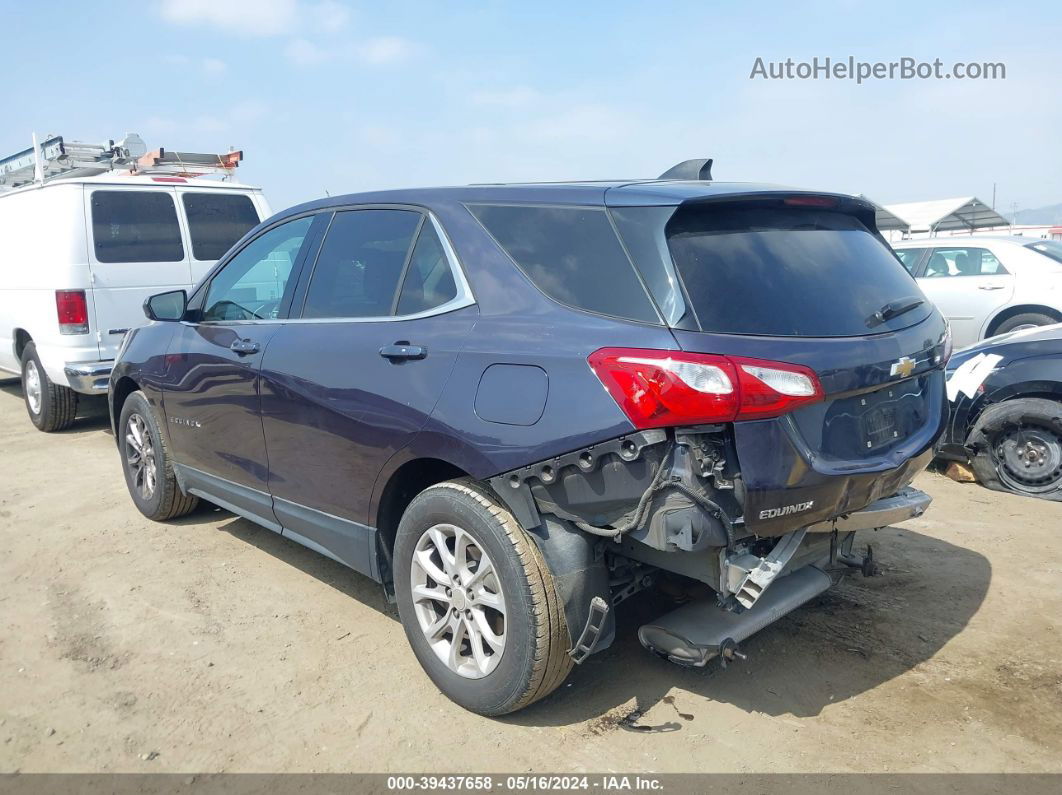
786	510
187	423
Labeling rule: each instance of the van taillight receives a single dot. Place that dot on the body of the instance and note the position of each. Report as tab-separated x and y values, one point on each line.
72	309
661	388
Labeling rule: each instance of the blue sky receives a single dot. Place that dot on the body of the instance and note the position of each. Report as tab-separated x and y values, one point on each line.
329	95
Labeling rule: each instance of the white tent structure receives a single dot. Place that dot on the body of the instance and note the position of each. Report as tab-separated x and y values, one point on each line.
888	222
967	213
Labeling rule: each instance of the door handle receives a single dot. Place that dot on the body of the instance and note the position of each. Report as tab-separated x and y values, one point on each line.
403	350
244	347
991	287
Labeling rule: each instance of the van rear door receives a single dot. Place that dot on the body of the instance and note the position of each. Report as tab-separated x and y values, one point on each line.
136	249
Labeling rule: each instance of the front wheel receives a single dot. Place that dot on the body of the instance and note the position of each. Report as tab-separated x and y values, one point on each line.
146	461
1018	447
477	601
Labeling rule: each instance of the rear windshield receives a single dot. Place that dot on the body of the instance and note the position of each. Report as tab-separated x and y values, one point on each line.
216	221
1049	248
786	272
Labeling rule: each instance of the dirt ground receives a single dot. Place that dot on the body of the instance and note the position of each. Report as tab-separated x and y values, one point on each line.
210	644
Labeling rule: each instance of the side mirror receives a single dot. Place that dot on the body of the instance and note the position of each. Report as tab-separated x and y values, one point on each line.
166	306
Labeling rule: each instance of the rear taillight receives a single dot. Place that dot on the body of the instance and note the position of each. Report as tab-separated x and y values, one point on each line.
661	388
947	346
72	309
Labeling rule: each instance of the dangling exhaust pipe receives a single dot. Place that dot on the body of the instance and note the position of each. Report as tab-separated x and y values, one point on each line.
700	631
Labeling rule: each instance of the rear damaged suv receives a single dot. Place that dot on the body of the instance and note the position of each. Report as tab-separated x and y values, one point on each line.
611	385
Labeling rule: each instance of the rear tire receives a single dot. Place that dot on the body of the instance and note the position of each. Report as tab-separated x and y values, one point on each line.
1017	447
51	407
455	538
147	464
1023	321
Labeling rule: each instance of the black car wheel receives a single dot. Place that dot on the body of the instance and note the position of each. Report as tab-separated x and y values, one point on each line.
147	465
51	407
1018	447
477	601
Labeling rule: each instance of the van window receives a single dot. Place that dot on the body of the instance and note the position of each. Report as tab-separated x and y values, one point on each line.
786	272
572	254
135	226
216	221
360	263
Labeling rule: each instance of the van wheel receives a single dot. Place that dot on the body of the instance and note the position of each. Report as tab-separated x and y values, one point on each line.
1024	321
52	407
147	464
477	601
1018	447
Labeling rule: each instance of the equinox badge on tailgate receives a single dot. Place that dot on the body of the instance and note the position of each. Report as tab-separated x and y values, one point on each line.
786	510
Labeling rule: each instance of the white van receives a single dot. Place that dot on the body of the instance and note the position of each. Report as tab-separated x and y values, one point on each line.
79	255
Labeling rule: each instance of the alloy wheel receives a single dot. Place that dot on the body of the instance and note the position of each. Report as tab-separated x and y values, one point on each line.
140	455
458	600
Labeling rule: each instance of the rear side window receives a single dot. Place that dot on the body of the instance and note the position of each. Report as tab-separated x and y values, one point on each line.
135	226
216	221
572	254
360	264
787	272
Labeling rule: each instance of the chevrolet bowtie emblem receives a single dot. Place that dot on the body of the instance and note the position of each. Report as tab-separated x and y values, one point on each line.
903	366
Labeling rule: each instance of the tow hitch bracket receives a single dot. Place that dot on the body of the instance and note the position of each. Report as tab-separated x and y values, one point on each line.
752	575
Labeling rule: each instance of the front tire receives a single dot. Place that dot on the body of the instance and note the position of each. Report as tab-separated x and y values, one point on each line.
1017	447
51	407
147	465
477	601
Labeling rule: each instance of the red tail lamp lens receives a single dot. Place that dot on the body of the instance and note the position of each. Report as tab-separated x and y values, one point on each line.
663	388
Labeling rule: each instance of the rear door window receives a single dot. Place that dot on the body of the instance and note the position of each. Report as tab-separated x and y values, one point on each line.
361	263
429	282
571	254
787	272
216	221
135	226
964	261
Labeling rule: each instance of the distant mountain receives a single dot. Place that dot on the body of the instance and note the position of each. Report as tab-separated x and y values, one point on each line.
1041	215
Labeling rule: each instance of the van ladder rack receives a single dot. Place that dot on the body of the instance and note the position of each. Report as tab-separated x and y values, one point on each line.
57	157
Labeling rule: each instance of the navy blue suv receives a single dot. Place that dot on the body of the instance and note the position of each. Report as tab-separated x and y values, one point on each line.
517	405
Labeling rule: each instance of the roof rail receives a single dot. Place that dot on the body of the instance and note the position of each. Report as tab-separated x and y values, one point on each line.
57	158
699	169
